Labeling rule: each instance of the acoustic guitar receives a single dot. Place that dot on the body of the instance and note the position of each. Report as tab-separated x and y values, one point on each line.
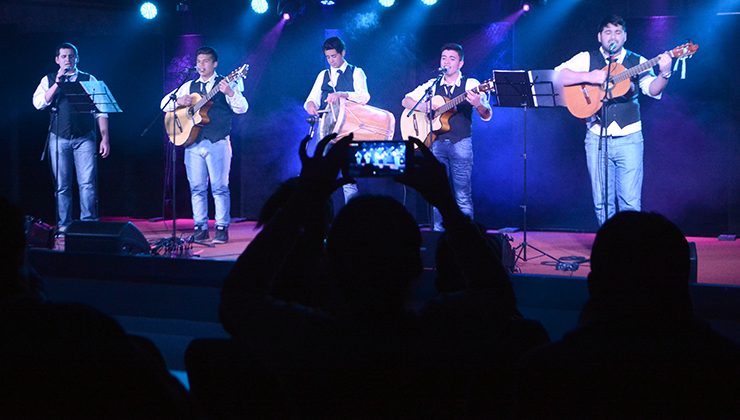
184	123
417	124
584	100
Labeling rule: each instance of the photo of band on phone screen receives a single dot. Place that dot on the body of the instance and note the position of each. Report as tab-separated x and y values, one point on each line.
376	158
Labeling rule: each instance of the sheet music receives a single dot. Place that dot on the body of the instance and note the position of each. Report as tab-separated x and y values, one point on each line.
101	96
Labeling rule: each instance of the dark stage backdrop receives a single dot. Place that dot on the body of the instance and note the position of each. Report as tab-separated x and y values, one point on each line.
691	148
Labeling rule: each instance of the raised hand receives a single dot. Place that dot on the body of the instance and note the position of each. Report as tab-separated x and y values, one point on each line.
320	170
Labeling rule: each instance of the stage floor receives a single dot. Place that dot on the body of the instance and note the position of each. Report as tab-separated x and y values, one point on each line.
718	261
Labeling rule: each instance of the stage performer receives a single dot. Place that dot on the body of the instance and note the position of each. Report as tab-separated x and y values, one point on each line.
209	157
72	143
454	148
340	80
624	141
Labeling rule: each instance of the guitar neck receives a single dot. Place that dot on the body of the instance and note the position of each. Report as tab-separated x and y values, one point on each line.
211	93
454	102
638	69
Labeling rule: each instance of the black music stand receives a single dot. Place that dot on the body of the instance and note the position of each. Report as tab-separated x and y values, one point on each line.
526	89
90	97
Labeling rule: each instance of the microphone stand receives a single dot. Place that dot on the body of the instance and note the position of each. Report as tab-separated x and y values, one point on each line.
54	122
173	246
427	97
603	141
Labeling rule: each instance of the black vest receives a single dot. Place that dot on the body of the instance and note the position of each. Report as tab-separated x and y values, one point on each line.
625	110
345	83
220	115
461	122
68	124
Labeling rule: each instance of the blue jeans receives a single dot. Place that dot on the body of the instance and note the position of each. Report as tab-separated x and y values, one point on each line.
75	156
458	158
206	161
624	165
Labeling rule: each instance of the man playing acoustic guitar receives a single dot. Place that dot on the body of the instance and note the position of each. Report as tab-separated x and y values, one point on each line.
623	145
454	148
209	156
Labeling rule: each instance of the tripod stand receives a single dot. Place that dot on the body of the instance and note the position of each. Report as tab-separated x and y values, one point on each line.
525	89
172	246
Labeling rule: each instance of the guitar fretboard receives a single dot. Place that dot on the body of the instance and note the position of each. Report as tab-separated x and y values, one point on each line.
635	70
211	93
453	102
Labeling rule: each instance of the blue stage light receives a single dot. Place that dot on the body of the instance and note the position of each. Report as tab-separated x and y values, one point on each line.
260	6
429	2
387	3
148	10
327	2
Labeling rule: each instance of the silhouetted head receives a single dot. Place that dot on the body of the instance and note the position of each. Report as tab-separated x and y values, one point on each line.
641	259
373	250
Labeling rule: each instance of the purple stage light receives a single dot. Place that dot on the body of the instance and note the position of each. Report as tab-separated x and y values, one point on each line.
526	7
286	16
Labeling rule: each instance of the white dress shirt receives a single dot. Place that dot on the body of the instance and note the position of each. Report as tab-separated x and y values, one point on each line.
39	96
470	84
238	102
360	95
581	62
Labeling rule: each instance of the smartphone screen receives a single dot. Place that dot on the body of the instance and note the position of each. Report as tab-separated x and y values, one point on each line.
376	158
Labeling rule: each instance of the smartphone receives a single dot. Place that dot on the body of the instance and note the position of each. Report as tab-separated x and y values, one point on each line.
374	158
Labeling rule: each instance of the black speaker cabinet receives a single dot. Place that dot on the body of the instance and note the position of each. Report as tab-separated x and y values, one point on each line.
122	238
502	241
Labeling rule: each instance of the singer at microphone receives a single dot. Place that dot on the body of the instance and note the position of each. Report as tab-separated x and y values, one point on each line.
72	139
618	107
442	70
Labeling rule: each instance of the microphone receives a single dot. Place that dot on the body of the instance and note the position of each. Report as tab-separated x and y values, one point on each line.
189	70
442	70
66	76
612	47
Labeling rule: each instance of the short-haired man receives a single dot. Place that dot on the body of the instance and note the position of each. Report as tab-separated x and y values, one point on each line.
209	157
340	80
624	141
454	148
72	138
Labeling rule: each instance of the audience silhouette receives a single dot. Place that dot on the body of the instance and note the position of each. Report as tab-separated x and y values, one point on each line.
638	351
368	354
66	360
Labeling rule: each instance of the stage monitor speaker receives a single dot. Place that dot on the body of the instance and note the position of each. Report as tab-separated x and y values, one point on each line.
38	233
121	238
502	241
694	263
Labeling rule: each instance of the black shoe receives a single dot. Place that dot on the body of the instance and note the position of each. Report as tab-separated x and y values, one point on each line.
222	235
201	233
